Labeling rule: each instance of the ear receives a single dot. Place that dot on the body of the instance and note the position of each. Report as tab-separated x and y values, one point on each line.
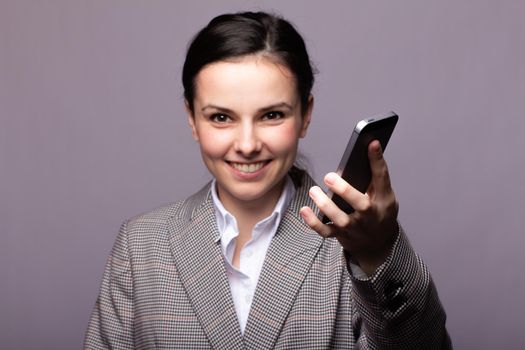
307	116
191	121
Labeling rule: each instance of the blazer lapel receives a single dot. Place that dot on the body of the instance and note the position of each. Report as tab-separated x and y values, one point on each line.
198	257
287	262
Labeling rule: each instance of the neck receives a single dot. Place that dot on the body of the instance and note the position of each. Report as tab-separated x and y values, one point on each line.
248	213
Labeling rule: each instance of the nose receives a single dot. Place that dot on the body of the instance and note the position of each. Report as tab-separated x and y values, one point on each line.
247	142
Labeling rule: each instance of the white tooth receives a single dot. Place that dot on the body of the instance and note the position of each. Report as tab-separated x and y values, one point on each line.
248	168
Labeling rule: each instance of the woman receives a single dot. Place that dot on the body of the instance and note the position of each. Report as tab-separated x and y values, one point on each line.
245	262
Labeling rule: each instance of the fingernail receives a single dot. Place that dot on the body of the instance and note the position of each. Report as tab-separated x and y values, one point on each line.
378	148
314	192
303	215
330	178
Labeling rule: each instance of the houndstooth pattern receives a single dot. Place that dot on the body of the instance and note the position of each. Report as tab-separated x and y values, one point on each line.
165	287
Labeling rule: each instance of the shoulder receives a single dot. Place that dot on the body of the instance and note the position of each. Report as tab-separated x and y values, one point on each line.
178	210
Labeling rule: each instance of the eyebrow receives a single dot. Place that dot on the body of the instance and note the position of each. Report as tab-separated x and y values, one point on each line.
264	109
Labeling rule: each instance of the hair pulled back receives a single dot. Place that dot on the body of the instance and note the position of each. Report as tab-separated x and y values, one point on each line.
235	35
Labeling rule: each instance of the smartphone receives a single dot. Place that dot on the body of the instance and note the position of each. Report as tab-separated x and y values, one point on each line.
355	166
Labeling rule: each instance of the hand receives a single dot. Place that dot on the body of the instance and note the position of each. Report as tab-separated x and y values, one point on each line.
370	231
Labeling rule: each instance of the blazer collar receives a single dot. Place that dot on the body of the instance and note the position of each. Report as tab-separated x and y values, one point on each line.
198	256
286	265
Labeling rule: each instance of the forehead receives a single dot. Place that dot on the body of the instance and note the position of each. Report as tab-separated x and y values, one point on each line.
254	80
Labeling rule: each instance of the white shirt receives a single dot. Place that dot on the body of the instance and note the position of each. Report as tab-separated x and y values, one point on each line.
244	279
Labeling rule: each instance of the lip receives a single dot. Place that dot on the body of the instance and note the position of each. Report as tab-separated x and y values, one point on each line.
253	170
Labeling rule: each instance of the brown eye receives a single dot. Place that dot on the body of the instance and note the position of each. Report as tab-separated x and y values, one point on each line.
219	118
274	115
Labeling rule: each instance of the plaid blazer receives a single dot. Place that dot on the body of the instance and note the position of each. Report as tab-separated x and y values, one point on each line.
165	287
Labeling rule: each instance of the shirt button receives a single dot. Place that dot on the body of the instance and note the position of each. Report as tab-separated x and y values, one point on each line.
248	253
247	298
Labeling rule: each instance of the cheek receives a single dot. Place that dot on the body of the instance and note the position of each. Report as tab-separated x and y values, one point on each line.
213	144
284	139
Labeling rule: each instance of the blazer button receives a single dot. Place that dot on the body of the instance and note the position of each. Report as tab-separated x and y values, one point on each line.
393	295
396	303
392	289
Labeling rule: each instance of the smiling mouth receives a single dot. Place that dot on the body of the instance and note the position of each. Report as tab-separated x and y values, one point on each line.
248	168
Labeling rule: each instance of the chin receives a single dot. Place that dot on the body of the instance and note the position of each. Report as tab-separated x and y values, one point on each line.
249	195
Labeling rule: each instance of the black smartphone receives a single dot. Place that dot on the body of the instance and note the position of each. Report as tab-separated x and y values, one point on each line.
355	166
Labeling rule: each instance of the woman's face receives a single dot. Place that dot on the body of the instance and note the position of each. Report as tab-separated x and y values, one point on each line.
247	119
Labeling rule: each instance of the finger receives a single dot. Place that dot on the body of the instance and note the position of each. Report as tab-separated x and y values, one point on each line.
357	200
313	221
380	176
328	207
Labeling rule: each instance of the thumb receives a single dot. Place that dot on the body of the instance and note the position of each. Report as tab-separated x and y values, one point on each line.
378	166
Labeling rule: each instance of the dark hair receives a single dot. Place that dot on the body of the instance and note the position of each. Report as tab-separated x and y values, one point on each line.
240	34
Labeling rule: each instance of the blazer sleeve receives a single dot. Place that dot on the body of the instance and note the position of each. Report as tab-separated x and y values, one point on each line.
398	307
111	323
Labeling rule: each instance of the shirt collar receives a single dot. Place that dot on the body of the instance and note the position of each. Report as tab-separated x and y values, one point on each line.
226	221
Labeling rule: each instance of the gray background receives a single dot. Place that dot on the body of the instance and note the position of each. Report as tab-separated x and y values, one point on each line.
93	131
